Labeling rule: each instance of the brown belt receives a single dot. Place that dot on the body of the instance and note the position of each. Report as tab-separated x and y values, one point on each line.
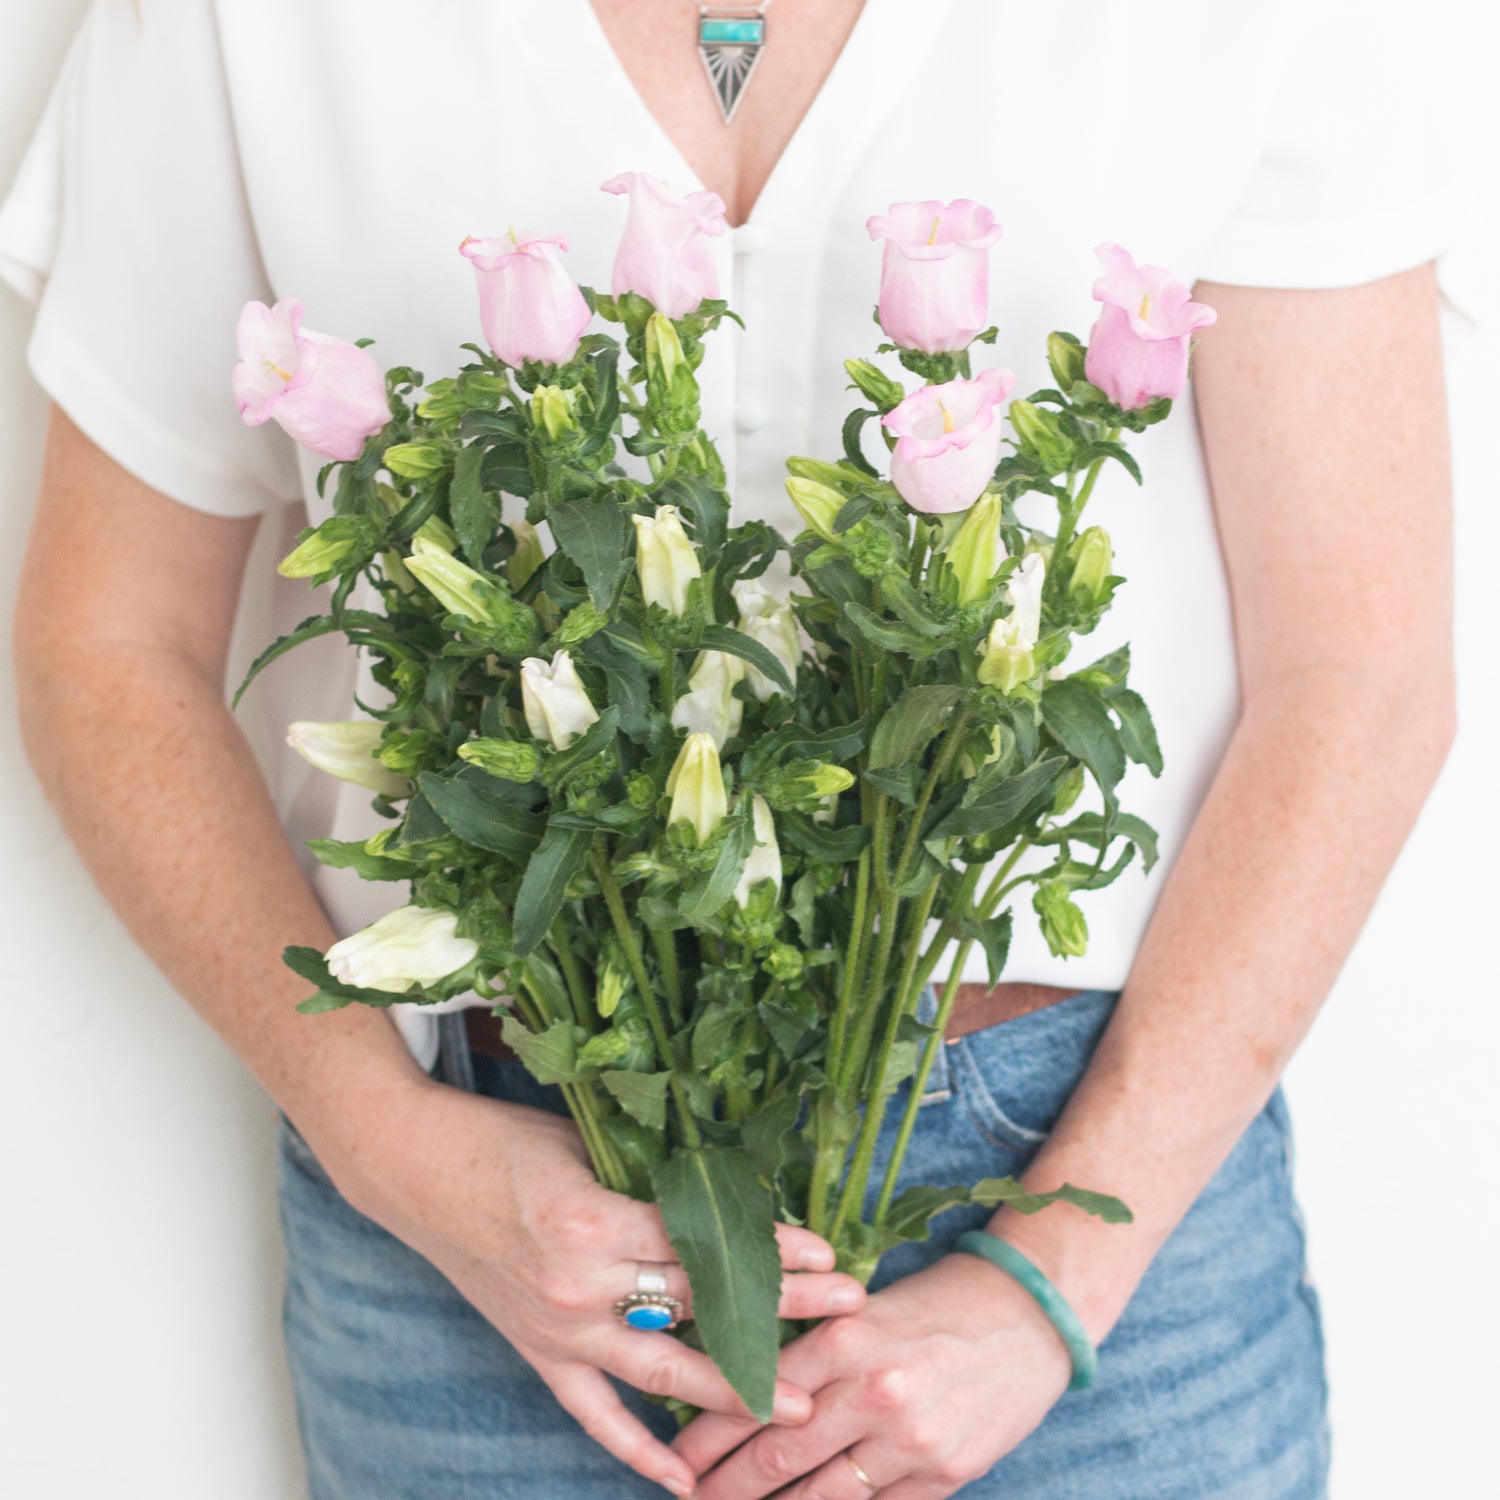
977	1007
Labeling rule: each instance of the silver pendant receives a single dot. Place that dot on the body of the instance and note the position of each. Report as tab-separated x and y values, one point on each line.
730	42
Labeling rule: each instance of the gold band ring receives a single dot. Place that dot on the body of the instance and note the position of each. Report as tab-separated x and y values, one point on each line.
860	1474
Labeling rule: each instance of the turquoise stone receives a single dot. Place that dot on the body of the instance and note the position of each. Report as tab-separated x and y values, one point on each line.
742	33
651	1319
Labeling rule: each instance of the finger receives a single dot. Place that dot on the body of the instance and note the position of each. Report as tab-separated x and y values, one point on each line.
778	1457
815	1294
847	1476
596	1405
802	1250
663	1366
708	1438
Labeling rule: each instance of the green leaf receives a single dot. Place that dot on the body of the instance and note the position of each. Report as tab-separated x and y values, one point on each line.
721	1223
994	937
321	1003
853	451
474	517
912	1212
1089	828
901	782
788	1027
887	635
907	728
1077	720
737	643
714	1034
705	898
352	855
506	466
852	512
643	1096
309	629
1137	732
594	741
706	505
484	811
332	994
558	858
829	846
1013	798
592	531
767	1133
550	1056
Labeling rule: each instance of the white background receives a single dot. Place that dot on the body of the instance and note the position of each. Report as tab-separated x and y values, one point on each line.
140	1260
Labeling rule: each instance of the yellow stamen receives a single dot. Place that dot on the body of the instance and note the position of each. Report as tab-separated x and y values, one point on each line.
515	239
272	365
947	415
936	225
1145	311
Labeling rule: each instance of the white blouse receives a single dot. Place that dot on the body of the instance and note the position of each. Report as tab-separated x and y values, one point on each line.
199	153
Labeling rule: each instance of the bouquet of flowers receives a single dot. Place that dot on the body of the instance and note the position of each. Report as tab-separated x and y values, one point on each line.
705	843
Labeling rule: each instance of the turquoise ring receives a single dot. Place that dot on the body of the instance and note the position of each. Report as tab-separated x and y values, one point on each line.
648	1307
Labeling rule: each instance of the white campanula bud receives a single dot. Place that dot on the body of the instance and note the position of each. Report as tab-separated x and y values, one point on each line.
709	706
764	861
347	750
665	559
769	620
696	787
413	945
557	708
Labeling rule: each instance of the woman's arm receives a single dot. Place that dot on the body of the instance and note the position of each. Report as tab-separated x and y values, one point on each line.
122	629
1324	421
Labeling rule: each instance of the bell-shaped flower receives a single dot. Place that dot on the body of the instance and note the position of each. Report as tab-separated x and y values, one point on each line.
1063	923
696	787
709	706
527	557
1139	347
764	860
665	559
948	441
818	504
326	393
531	309
413	945
1008	658
1024	595
768	619
664	254
347	750
976	552
557	707
454	584
935	276
1093	562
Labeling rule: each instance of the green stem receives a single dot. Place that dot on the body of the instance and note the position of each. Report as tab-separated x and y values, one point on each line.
919	1081
665	943
583	1008
633	956
852	955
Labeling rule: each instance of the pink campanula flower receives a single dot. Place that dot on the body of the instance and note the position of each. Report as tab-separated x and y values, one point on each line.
664	254
328	394
949	441
1138	349
530	307
935	278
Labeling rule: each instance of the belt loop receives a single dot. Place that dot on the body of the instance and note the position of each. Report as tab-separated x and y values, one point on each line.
940	1080
455	1062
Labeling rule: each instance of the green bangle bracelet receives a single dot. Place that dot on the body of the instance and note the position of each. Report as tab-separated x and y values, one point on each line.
1047	1297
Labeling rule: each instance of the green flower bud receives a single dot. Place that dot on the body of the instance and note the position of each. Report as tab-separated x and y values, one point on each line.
870	549
405	751
818	505
1008	660
1066	357
835	476
671	388
784	963
975	554
1063	924
417	461
348	751
1068	792
806	784
511	760
696	787
609	987
552	411
341	543
527	557
454	584
640	792
439	533
579	624
1041	435
875	385
1093	559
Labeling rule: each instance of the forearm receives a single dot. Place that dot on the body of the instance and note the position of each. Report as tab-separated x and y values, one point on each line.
158	790
1318	790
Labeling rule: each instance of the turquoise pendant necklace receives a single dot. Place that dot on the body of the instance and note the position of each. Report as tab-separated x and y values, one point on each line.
730	40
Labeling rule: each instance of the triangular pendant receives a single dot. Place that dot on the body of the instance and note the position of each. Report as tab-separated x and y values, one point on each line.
730	43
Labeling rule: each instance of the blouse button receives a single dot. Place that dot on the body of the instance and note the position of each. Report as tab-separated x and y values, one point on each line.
748	239
750	416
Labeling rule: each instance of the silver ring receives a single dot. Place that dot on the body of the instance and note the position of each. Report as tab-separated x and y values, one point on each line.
649	1308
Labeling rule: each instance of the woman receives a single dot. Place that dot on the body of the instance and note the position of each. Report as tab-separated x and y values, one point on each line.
201	153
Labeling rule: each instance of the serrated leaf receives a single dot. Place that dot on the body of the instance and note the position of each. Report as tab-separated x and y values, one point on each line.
593	532
1137	731
767	1133
907	728
993	936
550	1056
558	858
643	1096
474	516
886	634
593	742
707	896
484	811
1013	798
721	1223
338	854
1078	721
829	846
737	643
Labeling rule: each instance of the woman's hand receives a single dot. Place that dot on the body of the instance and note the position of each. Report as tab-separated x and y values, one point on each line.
502	1200
939	1377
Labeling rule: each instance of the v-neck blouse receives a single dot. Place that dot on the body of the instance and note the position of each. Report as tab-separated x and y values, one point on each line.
207	152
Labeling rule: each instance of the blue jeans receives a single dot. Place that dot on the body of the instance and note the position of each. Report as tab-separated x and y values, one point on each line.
1210	1386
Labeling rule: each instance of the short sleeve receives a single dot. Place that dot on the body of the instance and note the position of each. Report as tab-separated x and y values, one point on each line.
128	226
1356	177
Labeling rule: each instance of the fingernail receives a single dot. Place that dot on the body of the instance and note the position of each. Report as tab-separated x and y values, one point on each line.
791	1405
814	1258
845	1299
678	1486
